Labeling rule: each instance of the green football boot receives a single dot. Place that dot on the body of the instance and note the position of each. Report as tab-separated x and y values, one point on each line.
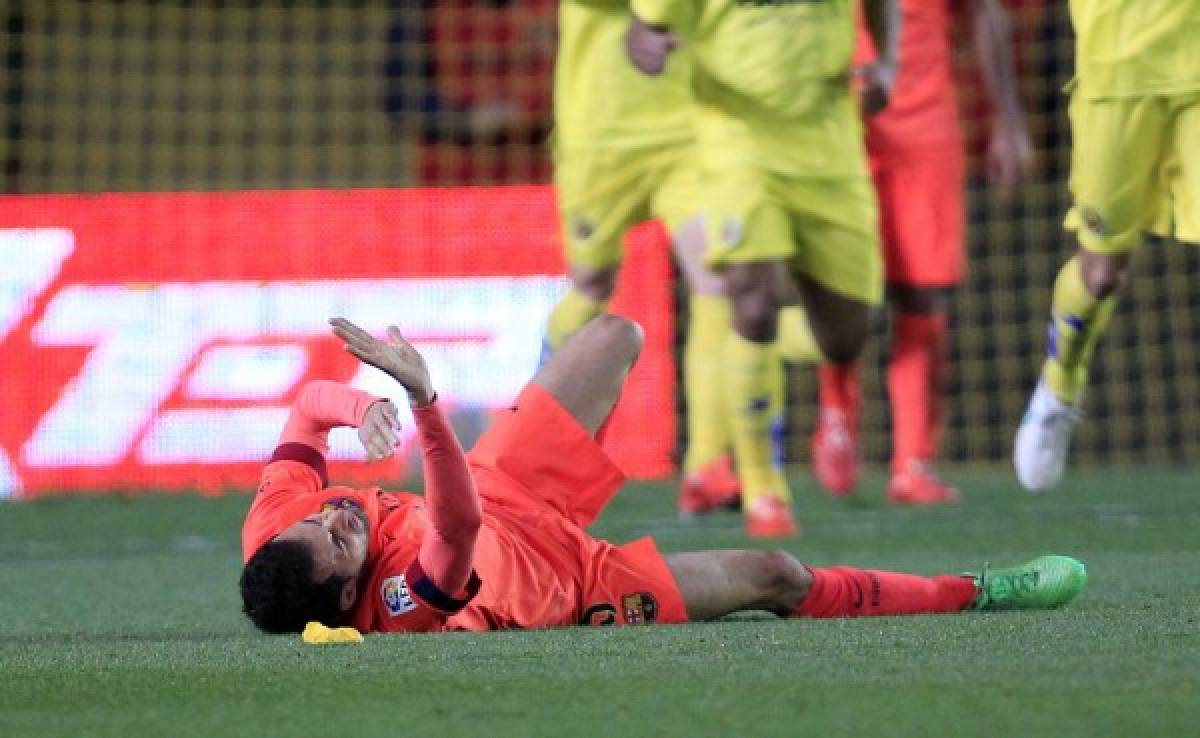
1044	583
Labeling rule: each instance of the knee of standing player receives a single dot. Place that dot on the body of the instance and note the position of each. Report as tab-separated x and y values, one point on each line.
1102	274
919	300
755	303
843	343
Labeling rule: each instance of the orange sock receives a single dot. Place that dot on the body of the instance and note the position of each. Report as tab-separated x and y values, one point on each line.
839	388
846	592
916	380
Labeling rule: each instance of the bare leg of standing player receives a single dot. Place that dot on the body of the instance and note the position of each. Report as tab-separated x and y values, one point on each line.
831	326
708	482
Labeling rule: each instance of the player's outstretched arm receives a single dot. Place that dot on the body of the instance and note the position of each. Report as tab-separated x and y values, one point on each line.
455	515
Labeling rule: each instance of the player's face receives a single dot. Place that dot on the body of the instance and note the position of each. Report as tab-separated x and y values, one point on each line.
338	539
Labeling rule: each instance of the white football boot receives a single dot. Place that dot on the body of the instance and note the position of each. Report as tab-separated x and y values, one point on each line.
1040	450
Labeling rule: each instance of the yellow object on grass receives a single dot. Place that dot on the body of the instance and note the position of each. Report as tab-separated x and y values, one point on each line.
316	634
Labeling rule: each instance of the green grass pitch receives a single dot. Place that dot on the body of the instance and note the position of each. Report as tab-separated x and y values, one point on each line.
119	617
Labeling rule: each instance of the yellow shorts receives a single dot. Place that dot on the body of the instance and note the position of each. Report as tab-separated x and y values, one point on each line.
826	228
603	193
1135	167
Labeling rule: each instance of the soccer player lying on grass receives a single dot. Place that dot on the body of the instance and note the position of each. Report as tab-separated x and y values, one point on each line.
498	540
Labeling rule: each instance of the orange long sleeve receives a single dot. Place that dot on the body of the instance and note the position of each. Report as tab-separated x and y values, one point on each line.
321	406
451	502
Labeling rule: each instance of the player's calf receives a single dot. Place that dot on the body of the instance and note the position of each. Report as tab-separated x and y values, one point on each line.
717	583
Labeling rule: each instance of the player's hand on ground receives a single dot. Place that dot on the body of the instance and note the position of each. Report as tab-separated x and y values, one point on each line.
1009	158
649	46
876	81
378	431
395	357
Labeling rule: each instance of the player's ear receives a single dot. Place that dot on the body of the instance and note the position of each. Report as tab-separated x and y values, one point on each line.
349	594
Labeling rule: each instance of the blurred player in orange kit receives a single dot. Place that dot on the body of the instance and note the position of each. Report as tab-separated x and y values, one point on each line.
916	152
498	539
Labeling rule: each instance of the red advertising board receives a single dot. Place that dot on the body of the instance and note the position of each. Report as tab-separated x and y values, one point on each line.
154	341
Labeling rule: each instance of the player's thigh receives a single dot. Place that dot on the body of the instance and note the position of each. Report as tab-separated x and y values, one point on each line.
676	204
837	262
601	194
538	454
1119	147
742	222
881	178
835	223
630	584
678	186
1180	212
923	213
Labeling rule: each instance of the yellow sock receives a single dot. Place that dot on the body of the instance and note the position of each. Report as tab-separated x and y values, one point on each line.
753	390
795	339
1078	321
707	426
571	313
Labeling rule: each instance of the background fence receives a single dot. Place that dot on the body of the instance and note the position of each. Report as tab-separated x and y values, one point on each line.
174	96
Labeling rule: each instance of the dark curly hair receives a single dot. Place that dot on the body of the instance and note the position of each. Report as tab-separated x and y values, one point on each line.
279	594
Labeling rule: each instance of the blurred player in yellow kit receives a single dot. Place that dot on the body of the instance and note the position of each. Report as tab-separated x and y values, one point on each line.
786	195
622	143
1135	167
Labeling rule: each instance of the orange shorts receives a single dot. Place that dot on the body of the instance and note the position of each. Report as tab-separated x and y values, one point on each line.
921	215
541	472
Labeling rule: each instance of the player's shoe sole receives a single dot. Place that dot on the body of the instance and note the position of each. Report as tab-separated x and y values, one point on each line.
1045	583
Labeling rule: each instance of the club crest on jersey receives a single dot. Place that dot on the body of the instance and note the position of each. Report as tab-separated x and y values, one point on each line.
395	595
639	608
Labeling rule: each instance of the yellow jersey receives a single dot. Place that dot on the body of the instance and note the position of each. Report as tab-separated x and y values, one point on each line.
772	78
600	99
1131	48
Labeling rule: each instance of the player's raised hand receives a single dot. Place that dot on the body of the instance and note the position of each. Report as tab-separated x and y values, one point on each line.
395	357
876	81
378	430
1009	158
649	46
